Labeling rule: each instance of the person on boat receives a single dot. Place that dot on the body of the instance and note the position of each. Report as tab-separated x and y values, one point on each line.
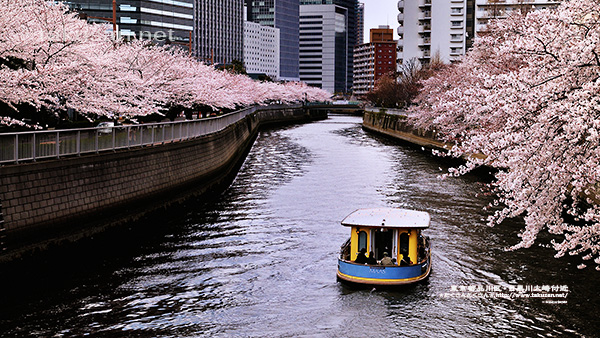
371	260
405	260
421	248
386	260
361	258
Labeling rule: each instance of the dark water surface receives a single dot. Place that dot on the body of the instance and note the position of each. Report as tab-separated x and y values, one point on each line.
260	260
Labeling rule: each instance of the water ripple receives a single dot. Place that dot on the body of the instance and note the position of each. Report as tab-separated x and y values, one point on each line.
260	260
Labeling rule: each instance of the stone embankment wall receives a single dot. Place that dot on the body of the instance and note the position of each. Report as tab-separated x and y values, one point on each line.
395	125
46	202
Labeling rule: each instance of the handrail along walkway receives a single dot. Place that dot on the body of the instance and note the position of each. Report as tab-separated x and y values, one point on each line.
54	144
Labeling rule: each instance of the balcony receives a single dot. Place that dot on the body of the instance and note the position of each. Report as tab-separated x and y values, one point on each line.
424	41
400	17
400	30
400	4
456	52
457	25
425	15
425	28
424	3
495	13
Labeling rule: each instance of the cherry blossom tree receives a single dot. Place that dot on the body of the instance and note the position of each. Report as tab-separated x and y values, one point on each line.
528	98
50	59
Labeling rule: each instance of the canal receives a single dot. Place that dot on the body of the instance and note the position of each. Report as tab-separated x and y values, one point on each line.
260	260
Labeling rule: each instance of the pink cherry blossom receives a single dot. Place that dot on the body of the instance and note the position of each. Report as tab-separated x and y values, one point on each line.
50	58
528	97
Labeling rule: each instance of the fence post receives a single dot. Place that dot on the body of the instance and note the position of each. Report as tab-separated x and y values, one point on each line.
78	146
33	146
58	144
16	152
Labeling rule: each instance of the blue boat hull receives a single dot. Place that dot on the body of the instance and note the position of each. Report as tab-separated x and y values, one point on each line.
383	275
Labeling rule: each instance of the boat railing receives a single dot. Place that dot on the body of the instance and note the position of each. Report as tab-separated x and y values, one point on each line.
345	250
427	251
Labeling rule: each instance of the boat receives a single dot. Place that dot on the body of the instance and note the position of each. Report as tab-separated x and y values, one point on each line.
396	251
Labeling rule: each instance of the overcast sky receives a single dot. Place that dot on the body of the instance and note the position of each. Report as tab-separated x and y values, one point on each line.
380	12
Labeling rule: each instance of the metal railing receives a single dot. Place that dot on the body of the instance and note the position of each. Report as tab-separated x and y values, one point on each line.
35	145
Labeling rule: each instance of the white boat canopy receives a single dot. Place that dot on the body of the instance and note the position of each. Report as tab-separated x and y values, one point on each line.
387	217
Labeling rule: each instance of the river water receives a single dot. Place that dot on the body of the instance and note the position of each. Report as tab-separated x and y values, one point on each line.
260	260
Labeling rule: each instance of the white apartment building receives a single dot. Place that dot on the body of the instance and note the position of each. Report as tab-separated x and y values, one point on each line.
486	10
430	28
446	28
261	49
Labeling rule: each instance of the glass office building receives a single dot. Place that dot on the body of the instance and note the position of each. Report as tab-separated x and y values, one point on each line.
360	24
219	31
323	47
168	21
282	14
352	7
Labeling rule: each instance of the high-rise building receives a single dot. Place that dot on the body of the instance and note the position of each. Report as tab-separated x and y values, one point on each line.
218	30
261	49
447	28
432	29
486	10
162	21
352	23
282	14
324	46
360	24
374	59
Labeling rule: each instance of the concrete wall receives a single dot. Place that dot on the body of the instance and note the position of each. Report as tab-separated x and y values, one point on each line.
395	126
49	201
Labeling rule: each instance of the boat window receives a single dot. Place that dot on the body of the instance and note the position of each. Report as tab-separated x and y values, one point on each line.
362	240
404	243
383	243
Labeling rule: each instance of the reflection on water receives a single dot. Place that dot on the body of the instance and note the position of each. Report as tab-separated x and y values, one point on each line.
260	260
